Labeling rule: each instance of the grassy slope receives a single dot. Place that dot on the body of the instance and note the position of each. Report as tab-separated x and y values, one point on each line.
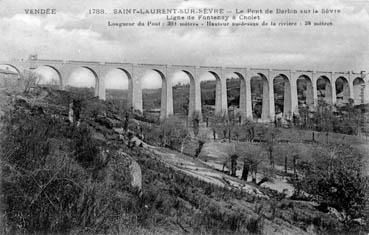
175	202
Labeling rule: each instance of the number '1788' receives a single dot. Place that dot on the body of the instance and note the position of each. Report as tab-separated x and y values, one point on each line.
96	11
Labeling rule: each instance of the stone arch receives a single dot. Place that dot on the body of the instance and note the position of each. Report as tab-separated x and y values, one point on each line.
218	92
189	74
194	99
166	100
160	73
324	89
182	83
10	77
128	74
286	108
342	90
92	72
305	93
60	79
124	73
130	86
240	86
97	80
13	67
358	90
166	106
265	112
240	76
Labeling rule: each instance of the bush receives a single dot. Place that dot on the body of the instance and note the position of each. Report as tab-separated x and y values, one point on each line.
253	225
335	179
85	147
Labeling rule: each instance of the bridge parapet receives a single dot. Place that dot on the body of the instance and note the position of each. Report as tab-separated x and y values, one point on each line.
323	72
118	63
184	66
304	71
45	61
167	65
259	69
345	73
210	67
82	62
281	70
231	68
156	65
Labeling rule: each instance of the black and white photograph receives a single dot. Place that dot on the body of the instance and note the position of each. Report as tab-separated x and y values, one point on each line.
184	117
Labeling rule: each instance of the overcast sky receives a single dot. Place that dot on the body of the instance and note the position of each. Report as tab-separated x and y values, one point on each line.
74	34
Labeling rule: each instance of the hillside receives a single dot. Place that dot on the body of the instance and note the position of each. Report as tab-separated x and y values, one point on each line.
76	176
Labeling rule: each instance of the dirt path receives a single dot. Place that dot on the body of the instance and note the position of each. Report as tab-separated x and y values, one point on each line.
200	170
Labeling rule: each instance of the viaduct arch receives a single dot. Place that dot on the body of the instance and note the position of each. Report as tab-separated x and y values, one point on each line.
134	72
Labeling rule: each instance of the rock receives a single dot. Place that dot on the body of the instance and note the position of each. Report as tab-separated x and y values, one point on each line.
70	112
287	193
137	142
104	121
254	191
136	175
340	216
22	102
124	167
37	110
359	221
311	229
119	130
114	122
113	136
117	117
98	136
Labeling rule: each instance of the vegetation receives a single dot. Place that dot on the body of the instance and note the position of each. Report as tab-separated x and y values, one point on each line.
59	176
49	175
335	178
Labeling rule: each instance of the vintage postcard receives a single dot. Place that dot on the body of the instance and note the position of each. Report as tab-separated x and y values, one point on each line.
184	117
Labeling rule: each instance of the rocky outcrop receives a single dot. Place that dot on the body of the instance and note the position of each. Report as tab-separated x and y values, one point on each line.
124	162
136	176
70	112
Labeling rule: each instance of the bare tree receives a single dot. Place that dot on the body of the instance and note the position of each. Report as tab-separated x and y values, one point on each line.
252	157
30	80
269	135
174	133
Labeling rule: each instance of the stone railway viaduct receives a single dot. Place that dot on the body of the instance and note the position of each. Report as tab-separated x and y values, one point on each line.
135	72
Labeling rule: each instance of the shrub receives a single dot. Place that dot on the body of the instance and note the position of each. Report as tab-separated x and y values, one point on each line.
253	225
85	148
335	178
